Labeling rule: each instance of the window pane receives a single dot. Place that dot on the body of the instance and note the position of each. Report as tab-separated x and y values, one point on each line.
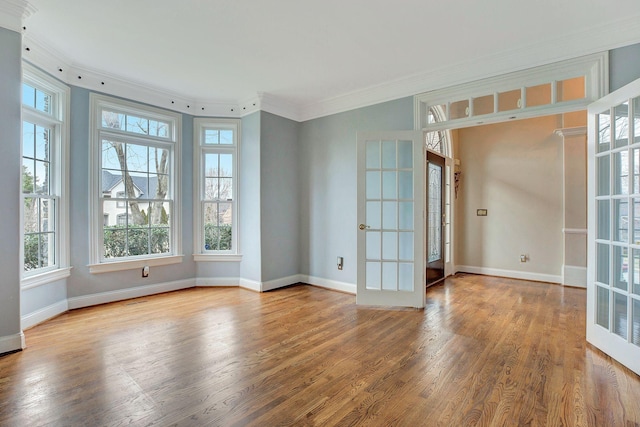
158	187
621	172
115	241
159	129
405	277
635	333
28	95
374	215
211	136
28	139
636	272
138	241
636	221
621	267
373	154
28	174
112	153
389	154
604	175
226	165
405	185
390	245
30	215
604	131
113	120
538	95
42	177
604	219
43	101
389	276
137	158
390	215
510	100
160	243
636	170
373	275
602	266
620	315
621	220
571	89
137	125
459	109
483	105
373	245
621	125
406	215
636	120
373	185
405	154
159	213
226	137
405	246
602	307
42	137
389	185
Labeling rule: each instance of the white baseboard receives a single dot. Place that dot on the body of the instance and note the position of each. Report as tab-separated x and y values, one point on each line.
43	314
12	343
282	282
217	281
574	276
512	274
139	291
349	288
252	285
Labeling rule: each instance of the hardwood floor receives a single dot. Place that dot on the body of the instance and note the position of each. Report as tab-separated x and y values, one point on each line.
486	351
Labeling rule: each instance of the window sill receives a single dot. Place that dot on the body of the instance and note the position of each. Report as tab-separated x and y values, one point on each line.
44	278
217	257
111	266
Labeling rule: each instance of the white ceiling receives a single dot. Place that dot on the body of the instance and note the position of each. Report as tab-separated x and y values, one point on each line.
319	56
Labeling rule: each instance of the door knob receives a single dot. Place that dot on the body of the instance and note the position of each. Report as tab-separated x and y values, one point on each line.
362	226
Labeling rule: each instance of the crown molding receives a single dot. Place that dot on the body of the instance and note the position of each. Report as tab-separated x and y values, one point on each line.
581	43
544	52
13	13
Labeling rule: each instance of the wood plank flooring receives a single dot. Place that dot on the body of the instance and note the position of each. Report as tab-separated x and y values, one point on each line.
485	352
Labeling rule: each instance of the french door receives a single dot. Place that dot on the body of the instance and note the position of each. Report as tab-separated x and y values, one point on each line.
390	219
613	285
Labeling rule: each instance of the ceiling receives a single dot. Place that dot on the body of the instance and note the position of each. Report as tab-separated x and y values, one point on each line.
317	56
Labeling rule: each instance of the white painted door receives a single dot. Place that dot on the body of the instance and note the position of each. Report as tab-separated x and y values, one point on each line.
391	239
613	283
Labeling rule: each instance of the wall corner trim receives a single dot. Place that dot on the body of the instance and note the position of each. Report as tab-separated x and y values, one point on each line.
511	274
43	314
349	288
135	292
12	342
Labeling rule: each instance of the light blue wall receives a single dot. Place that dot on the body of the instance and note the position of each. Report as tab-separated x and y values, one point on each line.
327	162
10	163
250	267
35	299
624	66
279	195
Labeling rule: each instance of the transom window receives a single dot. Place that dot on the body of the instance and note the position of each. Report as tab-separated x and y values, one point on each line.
44	111
135	157
216	213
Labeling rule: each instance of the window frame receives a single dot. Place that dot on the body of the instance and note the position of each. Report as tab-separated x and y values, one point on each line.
200	149
57	121
98	103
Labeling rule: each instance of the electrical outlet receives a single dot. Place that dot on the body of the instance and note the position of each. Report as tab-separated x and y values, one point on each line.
340	263
523	258
145	271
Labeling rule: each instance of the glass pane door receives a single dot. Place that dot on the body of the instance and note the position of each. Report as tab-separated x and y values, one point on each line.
613	300
389	230
435	218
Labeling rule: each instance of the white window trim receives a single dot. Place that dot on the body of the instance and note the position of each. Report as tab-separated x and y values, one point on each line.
199	255
61	114
595	69
97	264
